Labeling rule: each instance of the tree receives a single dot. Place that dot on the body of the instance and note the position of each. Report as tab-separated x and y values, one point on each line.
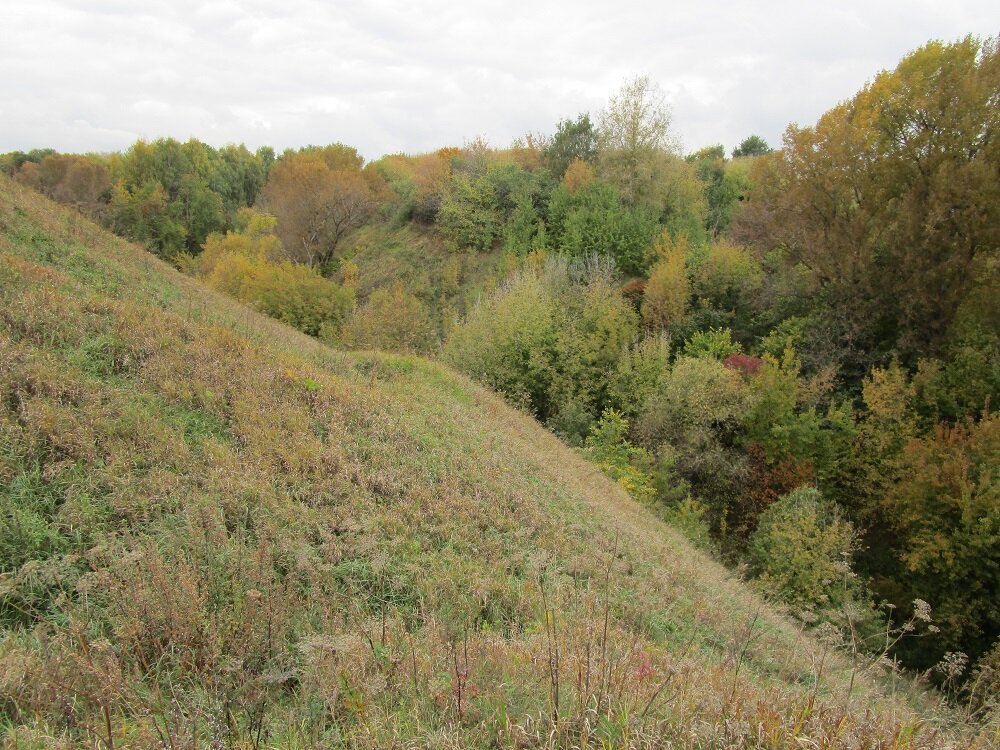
432	173
891	202
752	145
144	213
507	342
727	277
317	205
202	189
12	161
574	140
468	216
946	509
634	130
636	119
240	175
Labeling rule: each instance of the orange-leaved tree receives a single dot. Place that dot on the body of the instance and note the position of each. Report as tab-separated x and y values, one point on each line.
319	196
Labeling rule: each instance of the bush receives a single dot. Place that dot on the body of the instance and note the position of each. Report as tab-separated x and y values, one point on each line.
637	374
391	319
946	510
716	343
608	447
550	339
668	290
802	551
689	517
467	217
593	220
507	342
241	264
692	421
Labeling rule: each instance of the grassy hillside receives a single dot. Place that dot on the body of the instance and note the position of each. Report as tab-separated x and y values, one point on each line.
216	532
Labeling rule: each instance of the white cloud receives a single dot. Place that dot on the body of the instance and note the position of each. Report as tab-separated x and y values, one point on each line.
388	76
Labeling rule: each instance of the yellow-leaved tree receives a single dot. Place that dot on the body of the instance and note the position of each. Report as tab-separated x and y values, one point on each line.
668	290
249	264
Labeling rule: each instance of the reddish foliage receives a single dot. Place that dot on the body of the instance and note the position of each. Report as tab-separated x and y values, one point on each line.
743	364
634	290
766	484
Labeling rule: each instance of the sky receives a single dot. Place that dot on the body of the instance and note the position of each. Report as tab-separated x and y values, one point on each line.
389	77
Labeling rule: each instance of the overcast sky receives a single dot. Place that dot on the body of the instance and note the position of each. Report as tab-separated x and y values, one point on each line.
386	76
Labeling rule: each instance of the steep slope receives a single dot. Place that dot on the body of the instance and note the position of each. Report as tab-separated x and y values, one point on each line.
217	532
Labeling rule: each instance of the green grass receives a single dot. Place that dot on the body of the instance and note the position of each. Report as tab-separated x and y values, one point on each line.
240	537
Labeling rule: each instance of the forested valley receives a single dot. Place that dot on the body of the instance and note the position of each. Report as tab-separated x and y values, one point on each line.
791	354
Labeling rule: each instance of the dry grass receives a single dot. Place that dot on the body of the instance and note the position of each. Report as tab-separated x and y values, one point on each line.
240	538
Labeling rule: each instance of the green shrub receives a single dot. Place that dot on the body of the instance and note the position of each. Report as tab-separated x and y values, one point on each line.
593	220
716	343
507	342
690	517
300	297
693	420
607	446
468	217
637	373
550	340
802	549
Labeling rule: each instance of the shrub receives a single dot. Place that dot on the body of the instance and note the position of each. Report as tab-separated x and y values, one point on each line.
802	551
467	217
689	517
667	293
549	338
693	420
391	319
593	220
946	510
726	275
637	374
716	343
607	446
507	342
